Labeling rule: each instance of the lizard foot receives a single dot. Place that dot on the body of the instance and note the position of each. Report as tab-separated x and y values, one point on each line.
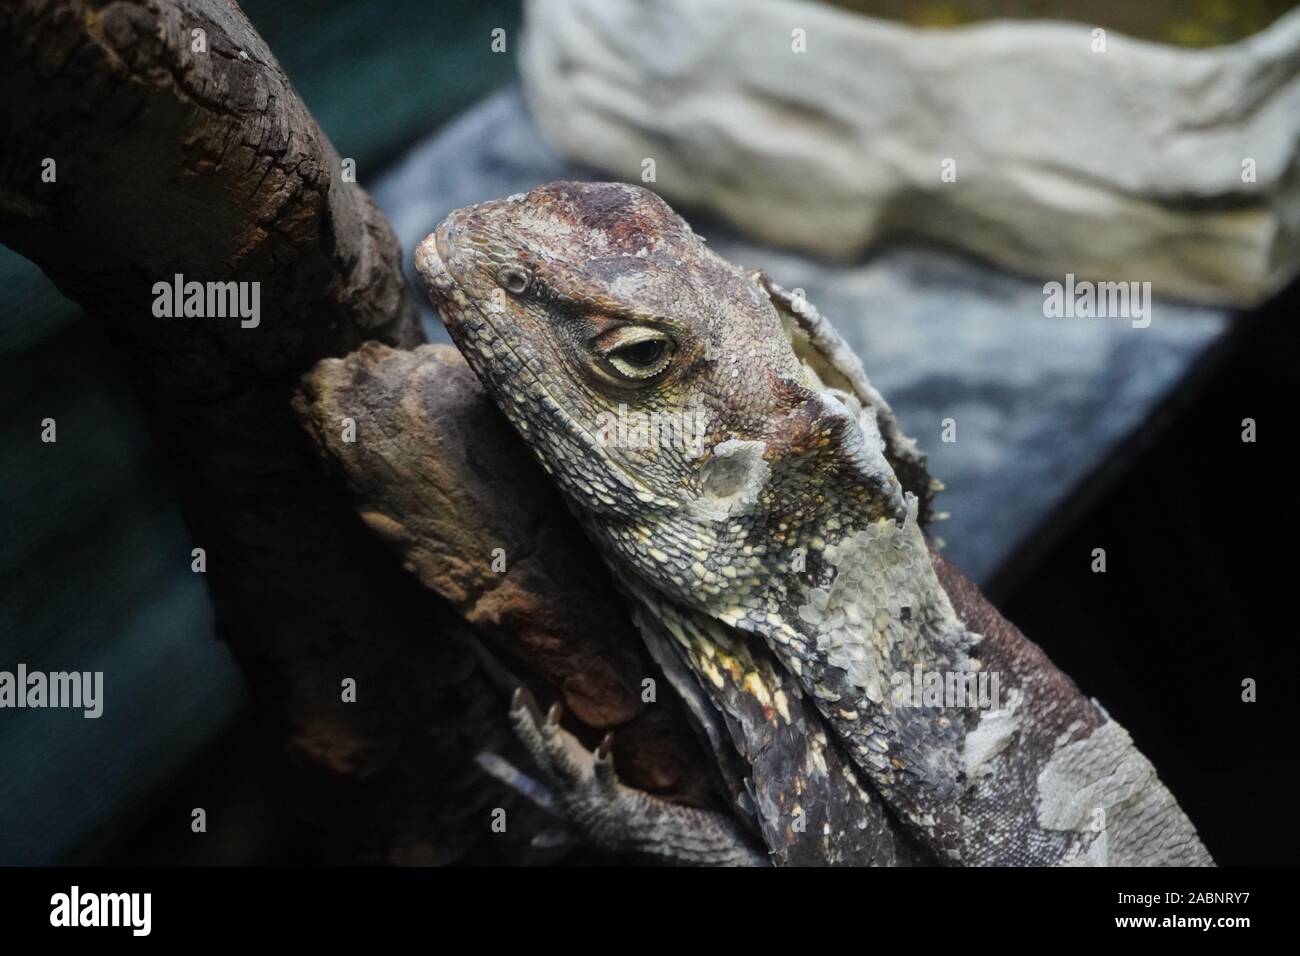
585	790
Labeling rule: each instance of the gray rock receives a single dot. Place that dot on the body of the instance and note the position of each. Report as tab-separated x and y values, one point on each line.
1073	152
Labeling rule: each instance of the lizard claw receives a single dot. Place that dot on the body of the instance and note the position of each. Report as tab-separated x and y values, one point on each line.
582	788
563	760
602	762
575	774
523	700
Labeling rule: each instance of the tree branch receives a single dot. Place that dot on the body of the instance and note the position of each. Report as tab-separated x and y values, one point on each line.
174	157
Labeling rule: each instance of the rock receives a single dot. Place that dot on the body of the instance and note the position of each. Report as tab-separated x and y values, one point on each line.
1073	150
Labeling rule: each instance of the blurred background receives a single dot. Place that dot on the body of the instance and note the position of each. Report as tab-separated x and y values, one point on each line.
1071	434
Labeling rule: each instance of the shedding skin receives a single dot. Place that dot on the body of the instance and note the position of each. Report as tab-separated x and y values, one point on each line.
793	547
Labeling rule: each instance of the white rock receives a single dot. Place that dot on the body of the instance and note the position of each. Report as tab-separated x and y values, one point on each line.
1125	164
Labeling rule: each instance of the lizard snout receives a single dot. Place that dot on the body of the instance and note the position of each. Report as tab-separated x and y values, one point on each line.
433	258
429	261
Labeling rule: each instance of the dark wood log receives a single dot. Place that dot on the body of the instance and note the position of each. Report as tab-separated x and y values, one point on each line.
174	156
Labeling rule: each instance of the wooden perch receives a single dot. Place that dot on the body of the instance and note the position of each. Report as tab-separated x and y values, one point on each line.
133	152
441	477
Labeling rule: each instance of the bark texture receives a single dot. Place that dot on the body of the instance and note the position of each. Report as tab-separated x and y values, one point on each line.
175	156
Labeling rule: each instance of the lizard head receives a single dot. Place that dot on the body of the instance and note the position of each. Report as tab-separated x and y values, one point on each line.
655	381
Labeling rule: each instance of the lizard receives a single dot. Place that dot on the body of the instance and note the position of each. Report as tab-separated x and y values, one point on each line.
786	554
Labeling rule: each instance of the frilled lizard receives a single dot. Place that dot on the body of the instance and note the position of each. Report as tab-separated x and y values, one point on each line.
770	538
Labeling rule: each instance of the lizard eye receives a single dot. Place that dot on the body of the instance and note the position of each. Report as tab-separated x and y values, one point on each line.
637	353
514	279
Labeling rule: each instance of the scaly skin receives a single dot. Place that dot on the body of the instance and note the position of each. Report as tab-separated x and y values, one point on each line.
797	531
